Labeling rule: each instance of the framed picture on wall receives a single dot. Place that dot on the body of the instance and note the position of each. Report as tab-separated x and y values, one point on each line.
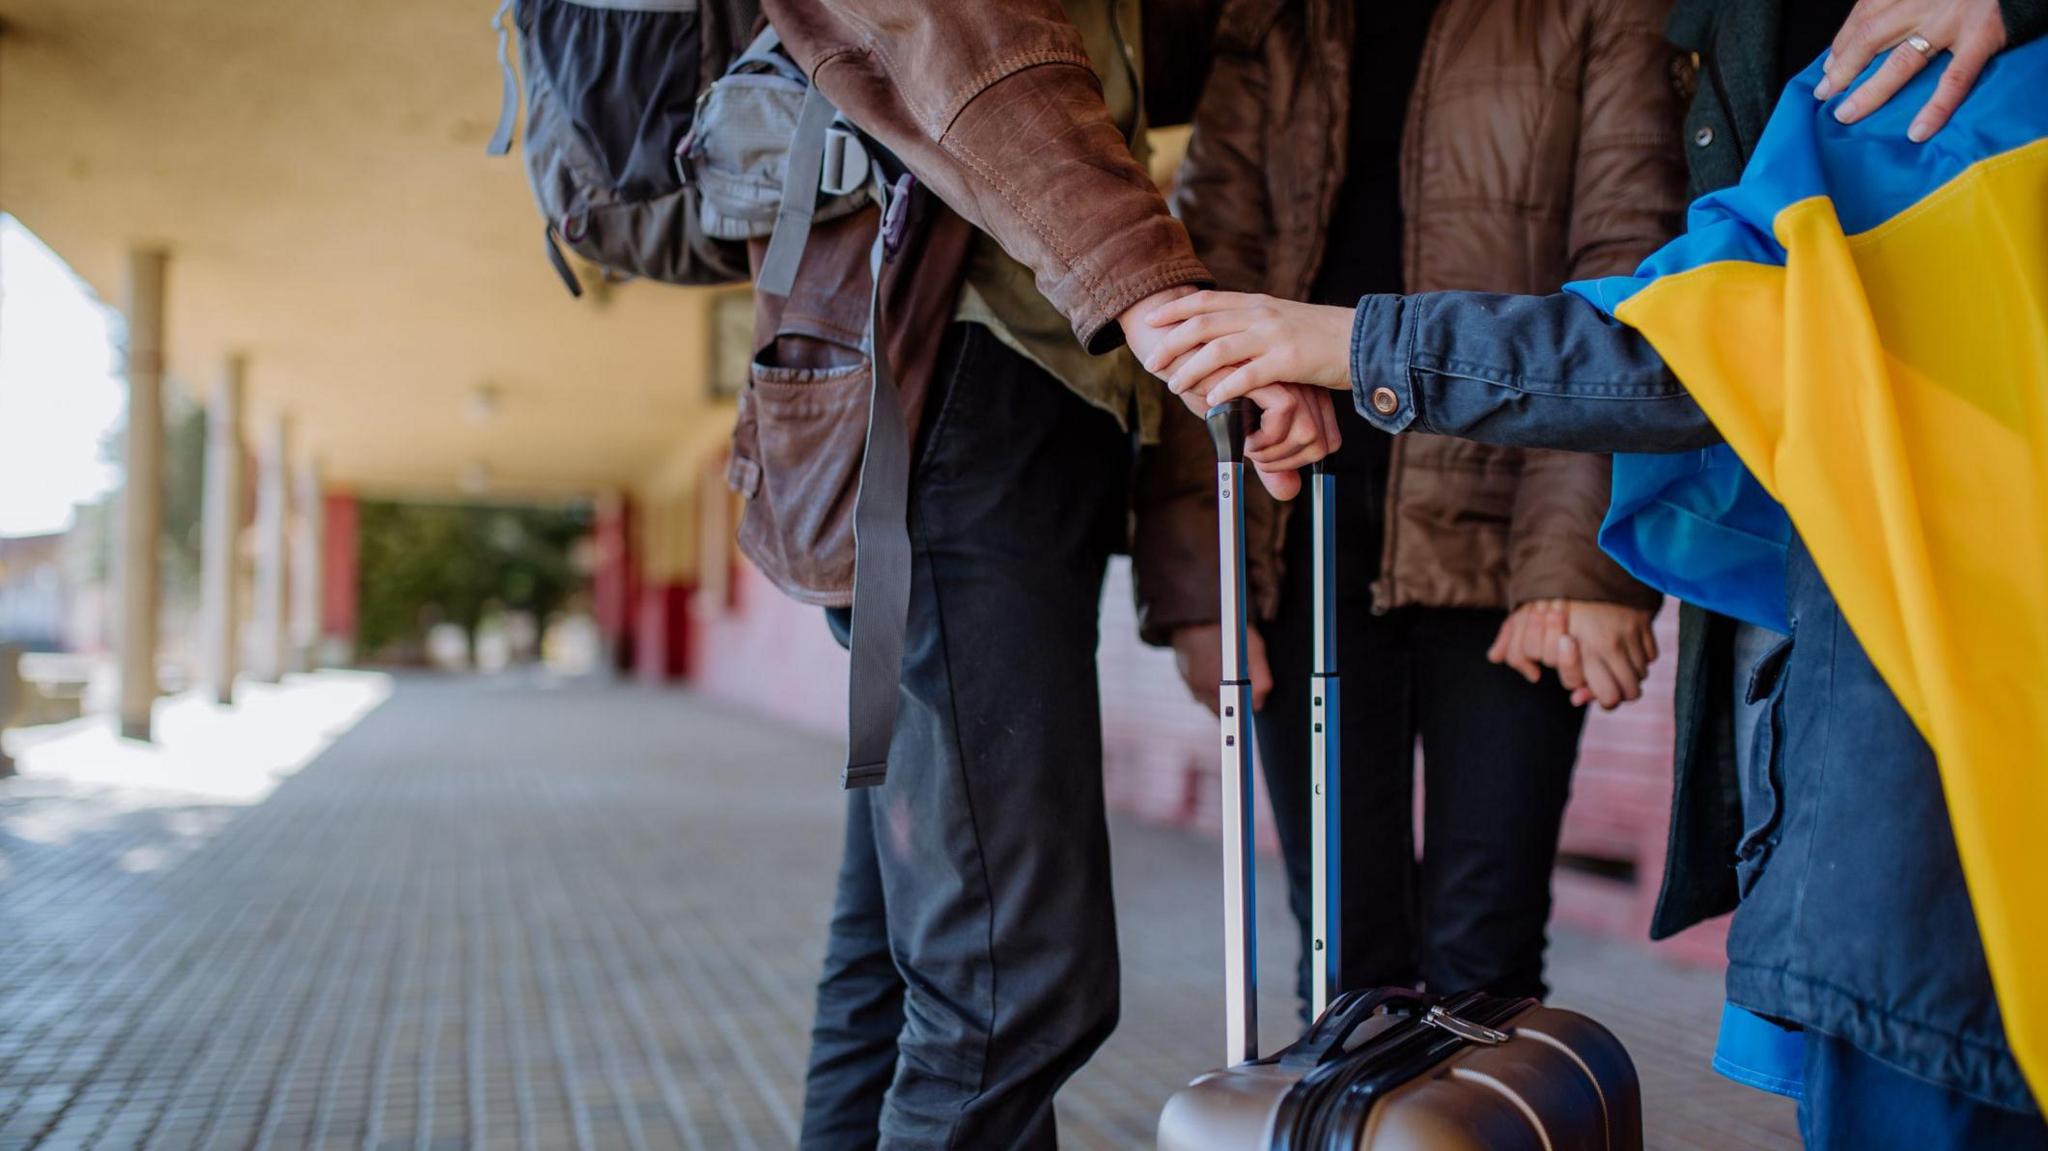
732	342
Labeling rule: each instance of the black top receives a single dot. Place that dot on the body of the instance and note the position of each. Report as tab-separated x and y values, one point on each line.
1362	254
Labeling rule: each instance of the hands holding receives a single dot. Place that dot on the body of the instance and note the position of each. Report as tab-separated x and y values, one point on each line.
1211	347
1601	651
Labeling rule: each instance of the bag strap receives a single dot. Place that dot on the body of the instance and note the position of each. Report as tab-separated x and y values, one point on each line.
801	167
508	103
881	527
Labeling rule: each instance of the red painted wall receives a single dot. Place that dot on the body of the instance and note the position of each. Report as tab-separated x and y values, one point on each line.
766	653
615	584
661	649
340	585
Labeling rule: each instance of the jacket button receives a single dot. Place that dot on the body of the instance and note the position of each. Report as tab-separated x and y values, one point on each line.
1703	137
1385	402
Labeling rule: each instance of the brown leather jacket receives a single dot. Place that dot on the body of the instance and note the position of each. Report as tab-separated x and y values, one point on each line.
995	108
1541	145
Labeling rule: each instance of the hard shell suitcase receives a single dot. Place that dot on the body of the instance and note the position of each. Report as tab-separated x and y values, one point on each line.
1389	1068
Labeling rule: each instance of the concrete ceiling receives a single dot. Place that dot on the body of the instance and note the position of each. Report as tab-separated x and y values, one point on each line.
316	171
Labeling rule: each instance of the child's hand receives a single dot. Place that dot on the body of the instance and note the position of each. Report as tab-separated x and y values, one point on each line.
1229	345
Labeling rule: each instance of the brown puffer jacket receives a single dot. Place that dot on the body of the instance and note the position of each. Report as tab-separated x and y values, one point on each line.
1541	145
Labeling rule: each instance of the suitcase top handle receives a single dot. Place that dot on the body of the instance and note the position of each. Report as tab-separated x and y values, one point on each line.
1328	1035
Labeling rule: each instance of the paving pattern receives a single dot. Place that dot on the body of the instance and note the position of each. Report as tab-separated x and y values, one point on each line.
520	914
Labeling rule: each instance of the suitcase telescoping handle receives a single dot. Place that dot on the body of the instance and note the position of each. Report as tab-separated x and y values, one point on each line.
1229	426
1325	776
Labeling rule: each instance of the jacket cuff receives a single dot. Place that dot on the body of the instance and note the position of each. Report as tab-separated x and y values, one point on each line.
1095	321
1592	578
1382	389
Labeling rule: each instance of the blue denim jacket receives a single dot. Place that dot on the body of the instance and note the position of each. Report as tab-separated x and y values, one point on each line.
1853	918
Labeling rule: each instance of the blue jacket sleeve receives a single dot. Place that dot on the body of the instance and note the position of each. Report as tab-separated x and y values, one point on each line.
1521	371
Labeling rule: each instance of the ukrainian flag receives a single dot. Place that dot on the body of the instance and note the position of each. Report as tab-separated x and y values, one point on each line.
1865	319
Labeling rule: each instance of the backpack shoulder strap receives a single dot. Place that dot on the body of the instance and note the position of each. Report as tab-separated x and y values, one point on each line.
508	105
802	166
881	530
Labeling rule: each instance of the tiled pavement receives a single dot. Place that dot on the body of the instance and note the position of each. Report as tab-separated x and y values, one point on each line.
522	915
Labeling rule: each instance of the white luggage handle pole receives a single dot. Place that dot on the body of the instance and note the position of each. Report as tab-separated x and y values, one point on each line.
1325	816
1229	425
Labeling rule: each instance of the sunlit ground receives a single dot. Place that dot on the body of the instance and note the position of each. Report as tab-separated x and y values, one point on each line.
207	760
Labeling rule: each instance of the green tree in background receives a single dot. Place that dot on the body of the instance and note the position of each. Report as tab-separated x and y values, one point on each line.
424	564
184	497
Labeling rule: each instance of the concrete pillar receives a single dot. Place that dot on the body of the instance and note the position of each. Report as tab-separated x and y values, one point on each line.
308	565
221	537
142	492
11	703
270	621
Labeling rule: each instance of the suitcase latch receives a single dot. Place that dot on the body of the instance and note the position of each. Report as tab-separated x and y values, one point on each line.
1465	1029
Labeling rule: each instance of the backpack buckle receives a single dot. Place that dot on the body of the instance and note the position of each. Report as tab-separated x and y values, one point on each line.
896	219
846	166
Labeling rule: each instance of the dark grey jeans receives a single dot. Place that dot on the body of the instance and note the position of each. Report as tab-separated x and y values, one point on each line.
972	961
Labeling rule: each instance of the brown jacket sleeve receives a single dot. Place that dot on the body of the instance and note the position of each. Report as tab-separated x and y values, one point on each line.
1628	196
993	105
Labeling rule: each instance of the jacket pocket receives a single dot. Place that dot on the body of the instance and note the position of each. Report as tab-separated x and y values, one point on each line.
1763	778
797	448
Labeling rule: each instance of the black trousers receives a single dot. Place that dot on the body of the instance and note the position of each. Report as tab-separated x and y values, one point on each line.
972	962
1497	754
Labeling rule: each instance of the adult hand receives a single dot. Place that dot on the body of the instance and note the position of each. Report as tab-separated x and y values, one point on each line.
1913	32
1145	338
1198	652
1605	653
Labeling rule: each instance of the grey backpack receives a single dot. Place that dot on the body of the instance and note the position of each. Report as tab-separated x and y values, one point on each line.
612	91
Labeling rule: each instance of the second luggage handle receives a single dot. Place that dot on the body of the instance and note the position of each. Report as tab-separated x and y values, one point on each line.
1325	754
1229	426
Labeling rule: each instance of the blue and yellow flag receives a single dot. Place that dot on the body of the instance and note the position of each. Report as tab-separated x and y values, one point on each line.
1865	320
